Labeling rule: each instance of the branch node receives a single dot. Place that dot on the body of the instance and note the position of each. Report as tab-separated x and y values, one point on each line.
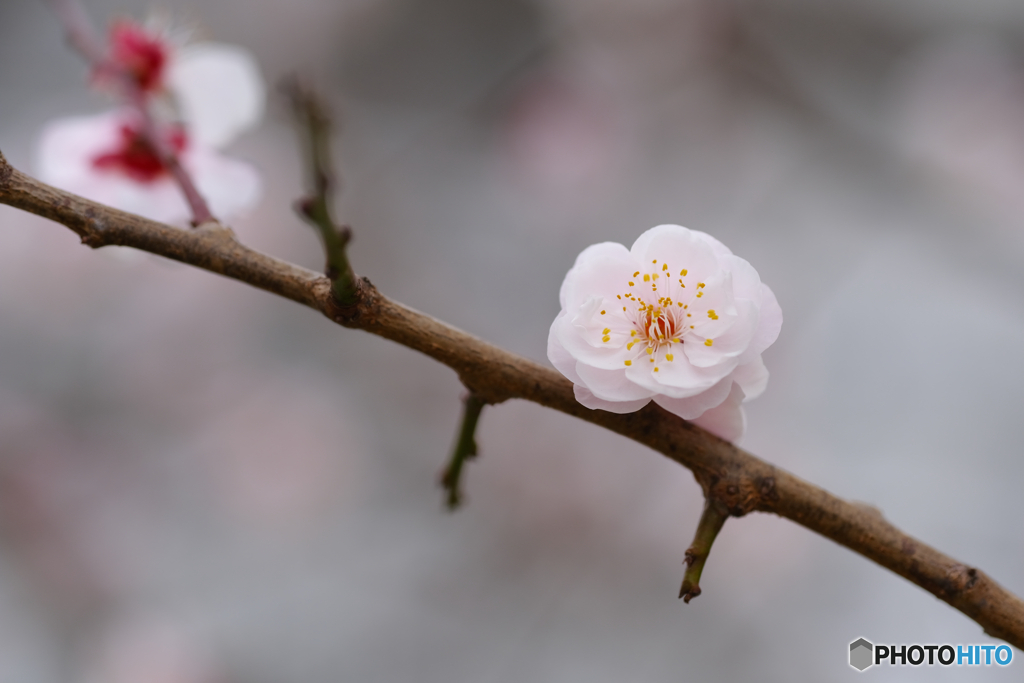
711	522
465	449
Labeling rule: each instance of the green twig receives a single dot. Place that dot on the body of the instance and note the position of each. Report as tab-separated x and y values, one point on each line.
711	521
465	449
314	126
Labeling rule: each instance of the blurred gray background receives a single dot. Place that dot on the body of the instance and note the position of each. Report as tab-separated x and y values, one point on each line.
201	483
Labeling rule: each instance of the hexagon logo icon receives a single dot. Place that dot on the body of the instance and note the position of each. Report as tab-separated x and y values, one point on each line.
861	654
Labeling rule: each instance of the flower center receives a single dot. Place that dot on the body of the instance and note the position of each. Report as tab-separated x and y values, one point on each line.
140	54
658	319
136	158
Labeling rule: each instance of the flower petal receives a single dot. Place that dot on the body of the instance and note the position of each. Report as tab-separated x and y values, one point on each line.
679	248
587	399
716	246
219	90
730	345
752	377
769	324
746	284
604	273
230	187
727	420
695	406
611	385
559	357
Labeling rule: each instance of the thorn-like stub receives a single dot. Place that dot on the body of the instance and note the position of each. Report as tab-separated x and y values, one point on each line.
960	578
688	592
766	489
92	240
215	228
304	207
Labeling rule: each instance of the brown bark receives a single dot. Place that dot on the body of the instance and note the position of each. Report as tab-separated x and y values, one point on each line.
738	480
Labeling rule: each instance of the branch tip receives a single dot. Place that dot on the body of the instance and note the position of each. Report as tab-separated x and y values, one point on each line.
465	449
711	521
314	127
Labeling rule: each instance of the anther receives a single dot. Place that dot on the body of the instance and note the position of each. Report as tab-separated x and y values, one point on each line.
707	342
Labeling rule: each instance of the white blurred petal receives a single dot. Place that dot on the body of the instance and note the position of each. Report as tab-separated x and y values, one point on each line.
219	89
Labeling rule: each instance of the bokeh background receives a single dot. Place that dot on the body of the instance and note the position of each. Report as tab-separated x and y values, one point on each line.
200	483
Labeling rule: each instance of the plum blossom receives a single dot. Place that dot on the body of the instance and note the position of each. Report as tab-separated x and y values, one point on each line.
678	319
201	97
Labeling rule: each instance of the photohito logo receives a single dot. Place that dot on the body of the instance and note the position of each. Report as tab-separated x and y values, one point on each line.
864	654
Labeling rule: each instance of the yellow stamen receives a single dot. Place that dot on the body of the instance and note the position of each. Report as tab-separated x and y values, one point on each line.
700	294
655	368
665	267
606	330
700	285
629	362
605	338
707	342
669	356
603	312
649	350
647	278
630	284
683	272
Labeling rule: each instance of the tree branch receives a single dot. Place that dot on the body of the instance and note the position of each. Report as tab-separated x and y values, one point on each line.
711	522
465	449
314	126
740	481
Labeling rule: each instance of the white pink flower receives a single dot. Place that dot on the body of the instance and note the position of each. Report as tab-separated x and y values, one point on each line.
202	96
678	319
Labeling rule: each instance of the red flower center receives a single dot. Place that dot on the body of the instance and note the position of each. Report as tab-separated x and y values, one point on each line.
139	54
136	158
